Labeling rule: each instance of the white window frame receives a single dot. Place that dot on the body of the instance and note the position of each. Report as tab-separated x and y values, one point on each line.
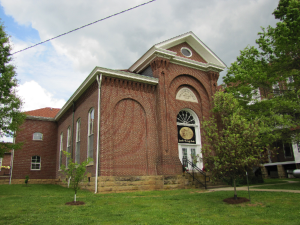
186	49
0	163
78	125
68	144
40	139
36	163
91	119
61	149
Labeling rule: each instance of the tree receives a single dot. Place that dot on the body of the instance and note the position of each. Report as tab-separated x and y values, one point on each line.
75	172
272	71
232	143
11	116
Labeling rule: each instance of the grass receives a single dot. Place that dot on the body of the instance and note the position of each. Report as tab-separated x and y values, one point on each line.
45	204
276	181
285	186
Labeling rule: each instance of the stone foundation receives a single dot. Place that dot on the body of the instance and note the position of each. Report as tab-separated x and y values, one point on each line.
31	181
264	172
281	172
114	184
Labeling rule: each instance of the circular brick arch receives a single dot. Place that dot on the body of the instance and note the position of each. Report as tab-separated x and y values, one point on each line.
187	79
129	138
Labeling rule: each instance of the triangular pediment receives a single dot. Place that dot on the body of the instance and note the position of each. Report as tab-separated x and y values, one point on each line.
180	48
202	57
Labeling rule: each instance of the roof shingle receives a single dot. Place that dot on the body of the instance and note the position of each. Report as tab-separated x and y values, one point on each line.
44	112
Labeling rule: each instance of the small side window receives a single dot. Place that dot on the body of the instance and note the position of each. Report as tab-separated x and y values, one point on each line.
38	136
36	162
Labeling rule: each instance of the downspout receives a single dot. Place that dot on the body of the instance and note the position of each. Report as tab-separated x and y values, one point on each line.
72	130
99	80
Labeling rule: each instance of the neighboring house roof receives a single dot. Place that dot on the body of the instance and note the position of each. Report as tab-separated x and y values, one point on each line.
220	88
44	112
161	49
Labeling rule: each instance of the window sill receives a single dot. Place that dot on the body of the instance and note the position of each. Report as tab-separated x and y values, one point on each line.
90	164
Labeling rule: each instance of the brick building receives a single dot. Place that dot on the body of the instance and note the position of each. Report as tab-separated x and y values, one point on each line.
140	121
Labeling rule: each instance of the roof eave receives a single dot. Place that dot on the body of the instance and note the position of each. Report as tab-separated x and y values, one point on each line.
105	72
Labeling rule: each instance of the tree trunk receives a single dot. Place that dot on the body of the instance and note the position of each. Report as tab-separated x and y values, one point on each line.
75	198
234	185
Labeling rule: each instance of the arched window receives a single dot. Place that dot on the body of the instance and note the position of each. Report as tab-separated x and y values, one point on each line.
61	149
77	147
68	144
185	117
37	136
90	133
36	162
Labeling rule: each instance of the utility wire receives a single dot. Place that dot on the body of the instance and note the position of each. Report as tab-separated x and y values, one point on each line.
85	26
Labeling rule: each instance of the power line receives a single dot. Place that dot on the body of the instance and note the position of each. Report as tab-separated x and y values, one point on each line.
84	26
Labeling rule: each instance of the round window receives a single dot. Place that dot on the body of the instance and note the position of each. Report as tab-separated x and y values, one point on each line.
186	52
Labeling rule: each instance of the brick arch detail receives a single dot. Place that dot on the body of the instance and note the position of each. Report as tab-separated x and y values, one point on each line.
144	98
129	138
190	81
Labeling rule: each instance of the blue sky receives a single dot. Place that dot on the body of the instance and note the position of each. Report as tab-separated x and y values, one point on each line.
23	32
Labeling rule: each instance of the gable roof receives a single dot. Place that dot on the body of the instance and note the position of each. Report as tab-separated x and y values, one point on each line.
160	49
43	112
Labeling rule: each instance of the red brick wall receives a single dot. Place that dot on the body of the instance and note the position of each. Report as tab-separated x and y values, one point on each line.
46	149
128	128
83	105
172	77
195	56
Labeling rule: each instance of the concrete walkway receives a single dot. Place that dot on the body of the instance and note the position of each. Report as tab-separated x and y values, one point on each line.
253	188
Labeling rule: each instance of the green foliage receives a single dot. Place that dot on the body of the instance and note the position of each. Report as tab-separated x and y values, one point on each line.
75	172
234	146
272	70
26	179
10	104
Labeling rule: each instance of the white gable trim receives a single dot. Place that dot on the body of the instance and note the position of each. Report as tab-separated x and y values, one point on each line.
213	61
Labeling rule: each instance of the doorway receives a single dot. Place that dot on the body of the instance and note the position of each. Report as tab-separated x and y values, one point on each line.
189	140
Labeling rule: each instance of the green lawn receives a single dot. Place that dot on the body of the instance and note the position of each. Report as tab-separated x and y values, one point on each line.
45	204
287	186
277	180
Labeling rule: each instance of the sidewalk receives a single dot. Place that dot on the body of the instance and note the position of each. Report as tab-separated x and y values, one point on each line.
245	188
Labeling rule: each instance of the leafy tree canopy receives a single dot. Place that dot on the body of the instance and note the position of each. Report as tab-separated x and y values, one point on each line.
266	80
10	115
233	144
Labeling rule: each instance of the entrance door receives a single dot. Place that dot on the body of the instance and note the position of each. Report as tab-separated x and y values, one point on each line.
189	152
189	139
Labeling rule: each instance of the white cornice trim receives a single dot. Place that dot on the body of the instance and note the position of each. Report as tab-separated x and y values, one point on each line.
105	72
196	65
40	118
140	65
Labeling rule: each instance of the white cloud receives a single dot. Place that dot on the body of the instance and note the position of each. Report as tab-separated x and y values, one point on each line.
35	97
224	26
